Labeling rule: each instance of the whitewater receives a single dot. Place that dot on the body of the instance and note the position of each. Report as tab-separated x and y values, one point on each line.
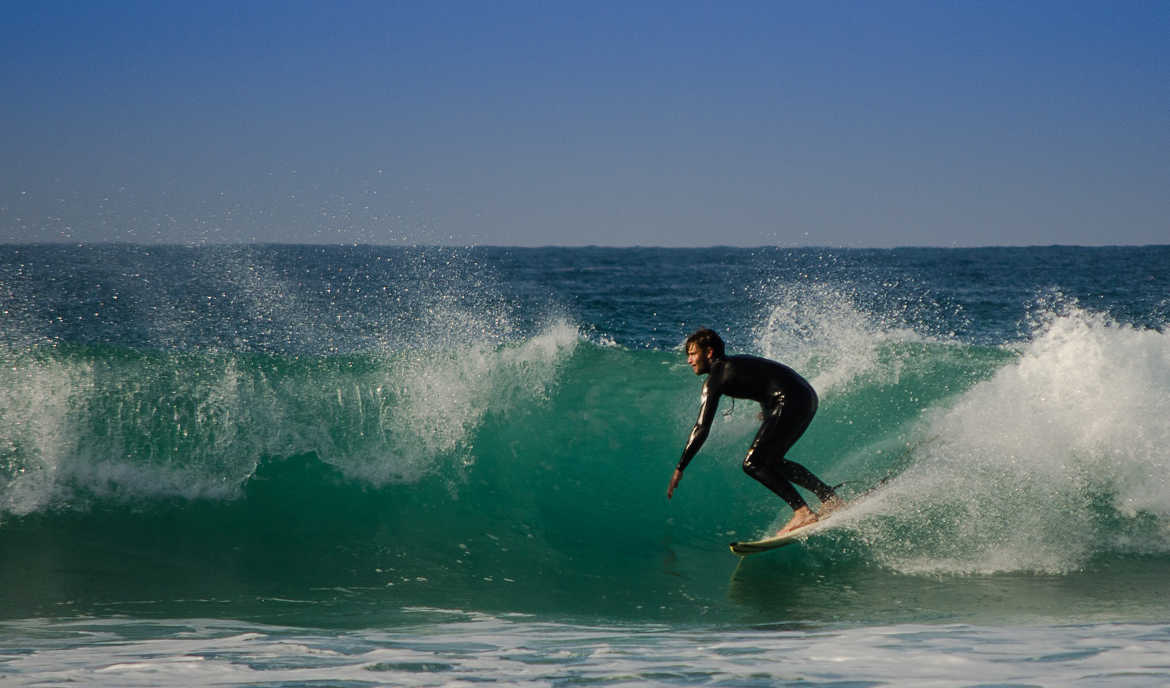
307	465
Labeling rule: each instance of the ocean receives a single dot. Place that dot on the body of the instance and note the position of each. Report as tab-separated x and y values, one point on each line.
283	465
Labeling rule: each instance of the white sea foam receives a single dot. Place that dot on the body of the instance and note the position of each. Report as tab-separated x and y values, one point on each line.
38	399
479	648
122	430
1062	453
196	426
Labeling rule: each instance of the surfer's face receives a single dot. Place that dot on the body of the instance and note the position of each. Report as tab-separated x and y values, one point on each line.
699	359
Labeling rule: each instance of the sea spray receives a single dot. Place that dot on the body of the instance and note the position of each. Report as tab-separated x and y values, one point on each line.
837	333
104	423
1058	457
40	394
429	403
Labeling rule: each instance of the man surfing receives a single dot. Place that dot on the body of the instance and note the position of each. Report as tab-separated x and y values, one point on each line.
788	402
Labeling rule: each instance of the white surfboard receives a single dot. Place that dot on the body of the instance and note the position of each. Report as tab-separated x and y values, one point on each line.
799	534
754	546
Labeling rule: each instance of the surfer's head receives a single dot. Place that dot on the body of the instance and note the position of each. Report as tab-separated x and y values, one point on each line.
703	347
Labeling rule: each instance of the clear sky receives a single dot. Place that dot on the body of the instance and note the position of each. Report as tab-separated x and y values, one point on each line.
680	123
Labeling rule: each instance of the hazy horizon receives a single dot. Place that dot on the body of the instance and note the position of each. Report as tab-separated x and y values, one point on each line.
417	245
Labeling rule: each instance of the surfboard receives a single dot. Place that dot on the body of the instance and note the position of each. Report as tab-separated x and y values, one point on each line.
755	546
763	545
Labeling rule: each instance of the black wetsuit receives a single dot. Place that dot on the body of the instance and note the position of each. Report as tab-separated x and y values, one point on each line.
789	403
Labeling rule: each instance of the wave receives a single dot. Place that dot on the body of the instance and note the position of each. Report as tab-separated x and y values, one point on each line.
477	462
114	422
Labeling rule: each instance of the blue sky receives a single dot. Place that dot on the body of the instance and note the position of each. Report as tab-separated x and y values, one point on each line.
544	123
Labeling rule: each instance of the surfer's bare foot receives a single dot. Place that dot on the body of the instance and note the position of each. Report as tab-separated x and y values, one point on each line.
830	505
800	518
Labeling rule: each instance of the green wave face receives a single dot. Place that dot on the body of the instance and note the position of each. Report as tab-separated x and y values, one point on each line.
531	476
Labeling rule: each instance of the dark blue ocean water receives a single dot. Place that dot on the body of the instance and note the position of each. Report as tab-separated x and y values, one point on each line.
296	465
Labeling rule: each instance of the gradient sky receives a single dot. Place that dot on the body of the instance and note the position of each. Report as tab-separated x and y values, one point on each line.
555	123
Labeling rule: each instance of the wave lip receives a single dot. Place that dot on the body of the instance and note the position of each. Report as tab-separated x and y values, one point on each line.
105	423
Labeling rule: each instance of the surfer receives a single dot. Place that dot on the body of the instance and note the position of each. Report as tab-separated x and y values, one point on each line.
788	403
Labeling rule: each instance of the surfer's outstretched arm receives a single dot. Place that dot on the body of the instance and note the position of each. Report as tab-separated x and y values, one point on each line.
674	480
708	402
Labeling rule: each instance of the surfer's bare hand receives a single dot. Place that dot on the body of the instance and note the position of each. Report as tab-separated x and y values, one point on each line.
674	482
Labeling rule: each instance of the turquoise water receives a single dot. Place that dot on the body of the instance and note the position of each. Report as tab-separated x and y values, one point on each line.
292	464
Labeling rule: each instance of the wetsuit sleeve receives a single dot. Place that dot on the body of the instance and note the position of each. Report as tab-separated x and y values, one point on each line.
708	402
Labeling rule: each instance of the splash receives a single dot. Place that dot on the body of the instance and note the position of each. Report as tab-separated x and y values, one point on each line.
37	397
125	426
827	331
430	403
1060	455
240	359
